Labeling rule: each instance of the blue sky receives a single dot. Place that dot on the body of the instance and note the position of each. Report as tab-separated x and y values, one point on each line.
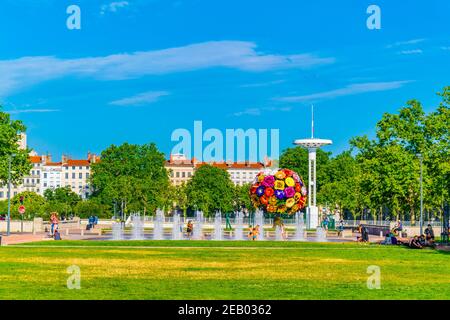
139	69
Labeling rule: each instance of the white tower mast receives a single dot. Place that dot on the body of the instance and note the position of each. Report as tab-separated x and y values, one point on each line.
312	145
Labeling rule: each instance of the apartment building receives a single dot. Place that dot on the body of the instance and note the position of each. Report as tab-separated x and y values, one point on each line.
75	173
51	175
181	169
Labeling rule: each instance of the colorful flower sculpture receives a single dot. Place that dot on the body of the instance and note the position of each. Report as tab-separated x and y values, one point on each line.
279	191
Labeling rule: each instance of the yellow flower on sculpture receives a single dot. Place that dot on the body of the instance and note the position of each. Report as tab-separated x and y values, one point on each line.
297	196
280	175
261	178
290	202
282	209
279	185
273	200
290	182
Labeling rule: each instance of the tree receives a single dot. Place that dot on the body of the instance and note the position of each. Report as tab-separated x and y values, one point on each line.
242	198
34	203
10	131
132	176
62	200
210	190
390	164
87	208
342	190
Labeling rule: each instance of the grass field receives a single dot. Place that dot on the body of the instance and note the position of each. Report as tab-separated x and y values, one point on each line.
220	270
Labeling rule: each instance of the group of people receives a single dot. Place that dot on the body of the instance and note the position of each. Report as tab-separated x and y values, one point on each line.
253	232
364	234
416	242
92	222
424	240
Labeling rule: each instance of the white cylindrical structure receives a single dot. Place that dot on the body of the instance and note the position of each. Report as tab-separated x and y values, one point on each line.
312	145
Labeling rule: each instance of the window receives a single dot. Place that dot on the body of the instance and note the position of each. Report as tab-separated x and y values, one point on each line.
87	175
81	168
183	174
38	172
67	175
177	174
1	194
73	168
45	175
73	175
45	184
80	176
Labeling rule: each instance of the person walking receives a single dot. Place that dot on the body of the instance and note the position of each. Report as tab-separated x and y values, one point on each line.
340	228
54	222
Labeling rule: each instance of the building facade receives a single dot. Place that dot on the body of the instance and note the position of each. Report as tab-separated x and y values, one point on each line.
46	174
182	169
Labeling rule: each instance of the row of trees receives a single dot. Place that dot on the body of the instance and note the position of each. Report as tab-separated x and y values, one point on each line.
132	178
61	200
379	177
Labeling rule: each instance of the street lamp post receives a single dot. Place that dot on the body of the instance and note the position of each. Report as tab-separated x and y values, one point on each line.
8	223
421	193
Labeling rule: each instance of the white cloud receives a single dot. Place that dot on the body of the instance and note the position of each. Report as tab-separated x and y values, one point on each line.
32	111
141	99
347	91
262	84
113	6
408	52
405	43
257	111
26	71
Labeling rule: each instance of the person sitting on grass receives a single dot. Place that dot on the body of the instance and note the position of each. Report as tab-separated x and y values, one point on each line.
429	233
57	235
414	243
394	240
422	240
387	239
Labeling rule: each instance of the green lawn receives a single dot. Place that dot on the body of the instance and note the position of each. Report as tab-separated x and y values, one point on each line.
220	270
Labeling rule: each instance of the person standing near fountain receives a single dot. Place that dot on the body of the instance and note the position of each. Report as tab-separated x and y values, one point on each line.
189	229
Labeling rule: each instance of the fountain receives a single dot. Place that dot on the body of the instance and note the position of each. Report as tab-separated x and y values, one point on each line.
218	226
198	226
137	227
117	231
321	235
158	225
278	233
259	221
238	228
300	230
177	233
